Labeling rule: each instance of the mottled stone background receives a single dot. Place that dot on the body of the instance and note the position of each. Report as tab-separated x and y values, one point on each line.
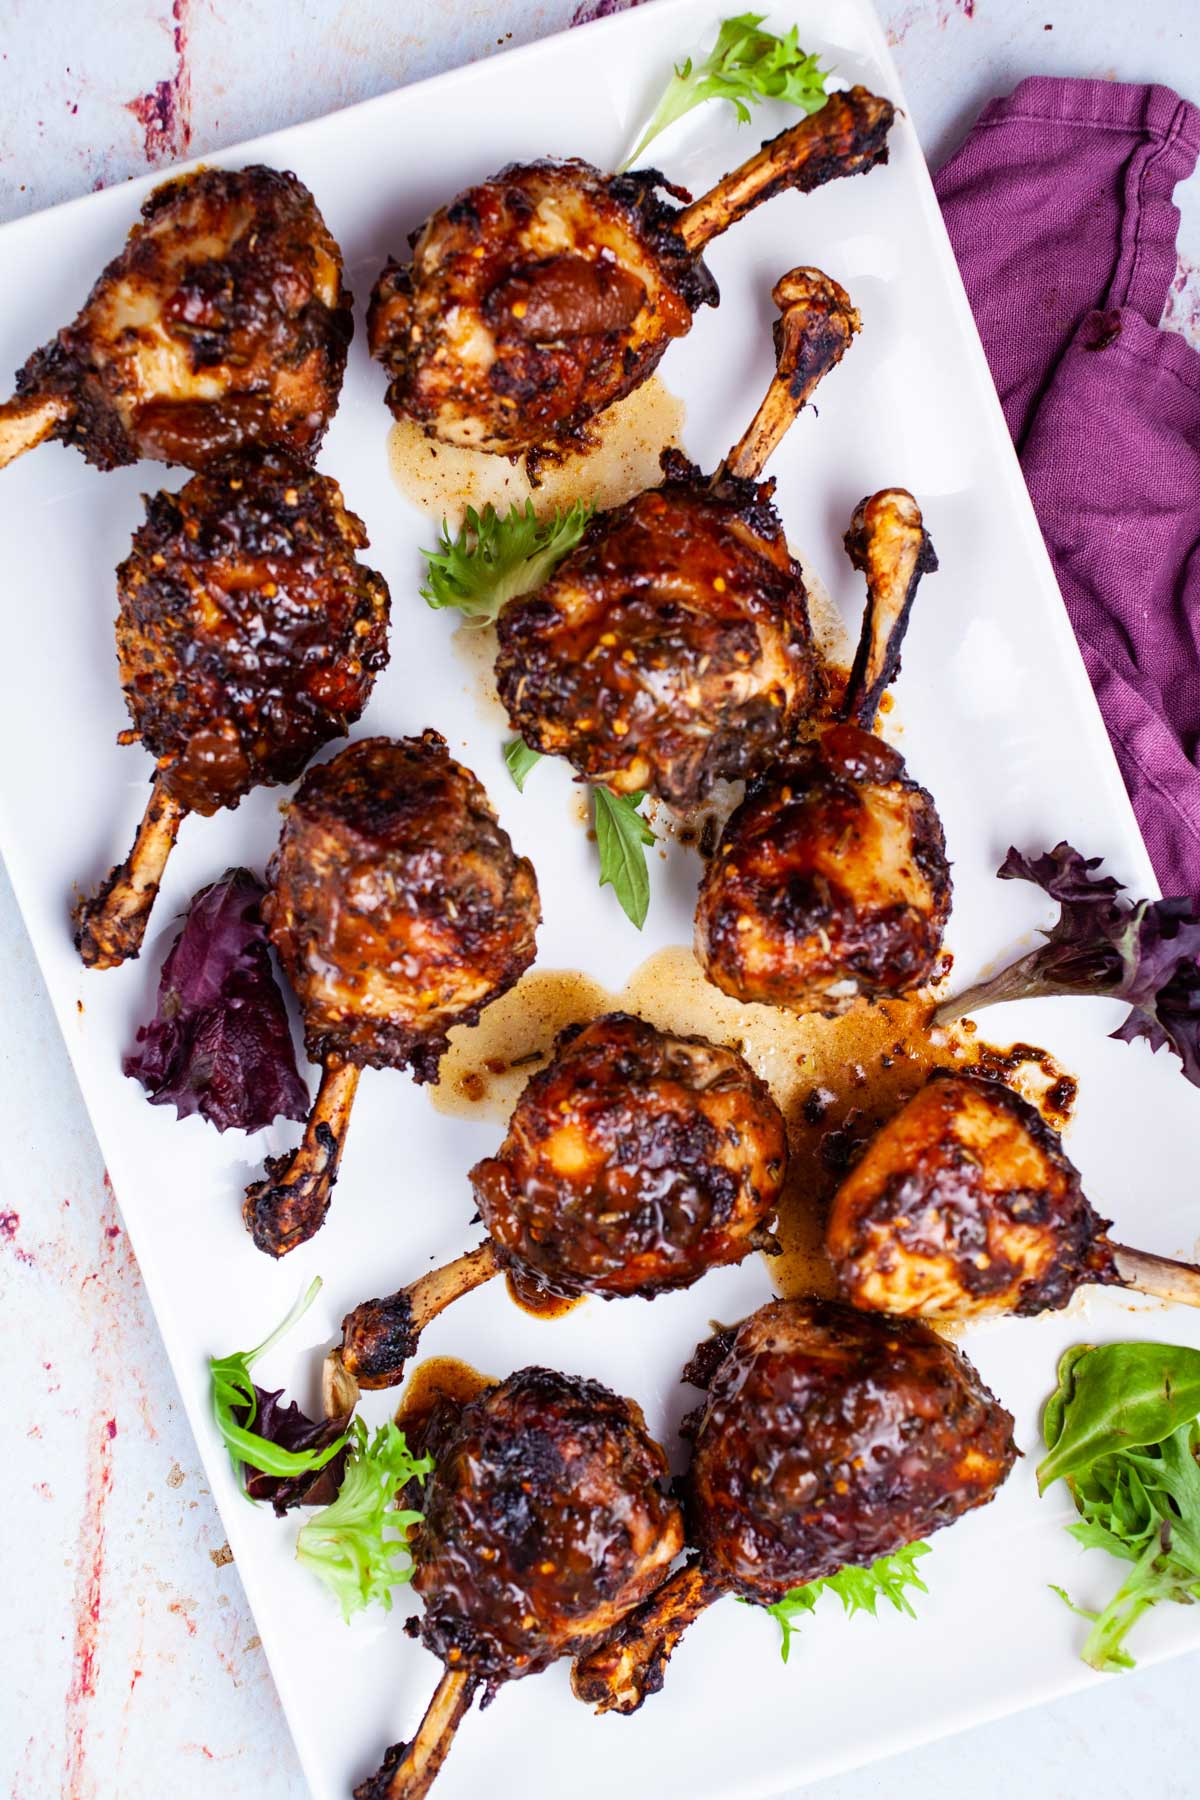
132	1667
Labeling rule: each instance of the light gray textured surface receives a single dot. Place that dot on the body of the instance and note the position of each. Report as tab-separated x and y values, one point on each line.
133	1667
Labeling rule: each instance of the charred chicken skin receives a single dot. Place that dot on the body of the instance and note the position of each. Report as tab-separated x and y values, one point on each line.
831	879
548	1516
673	648
536	299
965	1204
223	322
398	909
633	1163
249	635
820	1445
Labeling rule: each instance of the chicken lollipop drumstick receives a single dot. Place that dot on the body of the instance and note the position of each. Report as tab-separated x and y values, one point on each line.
536	299
672	647
633	1163
966	1204
821	1444
249	634
548	1516
398	910
831	878
224	321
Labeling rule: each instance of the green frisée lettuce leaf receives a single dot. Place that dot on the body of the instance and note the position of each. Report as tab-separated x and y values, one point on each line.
1122	1430
859	1590
358	1545
744	66
494	558
238	1405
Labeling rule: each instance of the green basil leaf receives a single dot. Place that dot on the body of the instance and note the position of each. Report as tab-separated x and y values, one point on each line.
621	836
519	760
1114	1397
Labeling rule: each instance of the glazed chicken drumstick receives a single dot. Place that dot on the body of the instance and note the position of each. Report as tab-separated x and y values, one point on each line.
249	634
829	1438
831	880
536	299
398	910
966	1204
548	1516
224	321
633	1163
672	648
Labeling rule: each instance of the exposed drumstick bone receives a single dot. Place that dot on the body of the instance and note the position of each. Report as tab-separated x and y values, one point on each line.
887	542
1158	1275
379	1336
619	1674
339	1390
816	326
26	421
409	1770
111	925
289	1204
847	137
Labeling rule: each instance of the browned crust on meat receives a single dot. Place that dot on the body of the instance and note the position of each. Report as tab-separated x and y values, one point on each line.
249	633
830	880
397	904
262	312
672	648
633	1163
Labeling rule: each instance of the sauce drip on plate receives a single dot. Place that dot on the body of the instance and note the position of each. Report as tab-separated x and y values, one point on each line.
836	1080
630	436
438	1378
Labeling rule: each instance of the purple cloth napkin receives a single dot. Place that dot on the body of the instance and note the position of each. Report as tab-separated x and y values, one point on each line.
1059	209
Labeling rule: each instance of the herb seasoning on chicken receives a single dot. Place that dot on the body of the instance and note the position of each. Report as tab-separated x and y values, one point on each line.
831	878
672	648
223	322
966	1204
399	910
829	1438
249	635
634	1163
536	299
548	1516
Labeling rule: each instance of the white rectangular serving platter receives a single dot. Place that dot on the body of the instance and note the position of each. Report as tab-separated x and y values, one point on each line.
999	722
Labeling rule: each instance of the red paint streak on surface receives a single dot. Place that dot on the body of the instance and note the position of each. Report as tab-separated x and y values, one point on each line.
902	23
9	1223
89	1588
165	113
183	1610
100	1288
600	9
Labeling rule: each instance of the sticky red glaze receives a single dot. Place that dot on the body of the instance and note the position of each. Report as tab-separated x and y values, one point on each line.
633	1163
831	1437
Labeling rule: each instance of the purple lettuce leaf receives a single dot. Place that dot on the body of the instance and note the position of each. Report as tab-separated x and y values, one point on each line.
1146	952
1164	986
292	1429
219	1044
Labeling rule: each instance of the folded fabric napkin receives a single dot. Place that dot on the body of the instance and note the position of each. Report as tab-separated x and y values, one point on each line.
1059	209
